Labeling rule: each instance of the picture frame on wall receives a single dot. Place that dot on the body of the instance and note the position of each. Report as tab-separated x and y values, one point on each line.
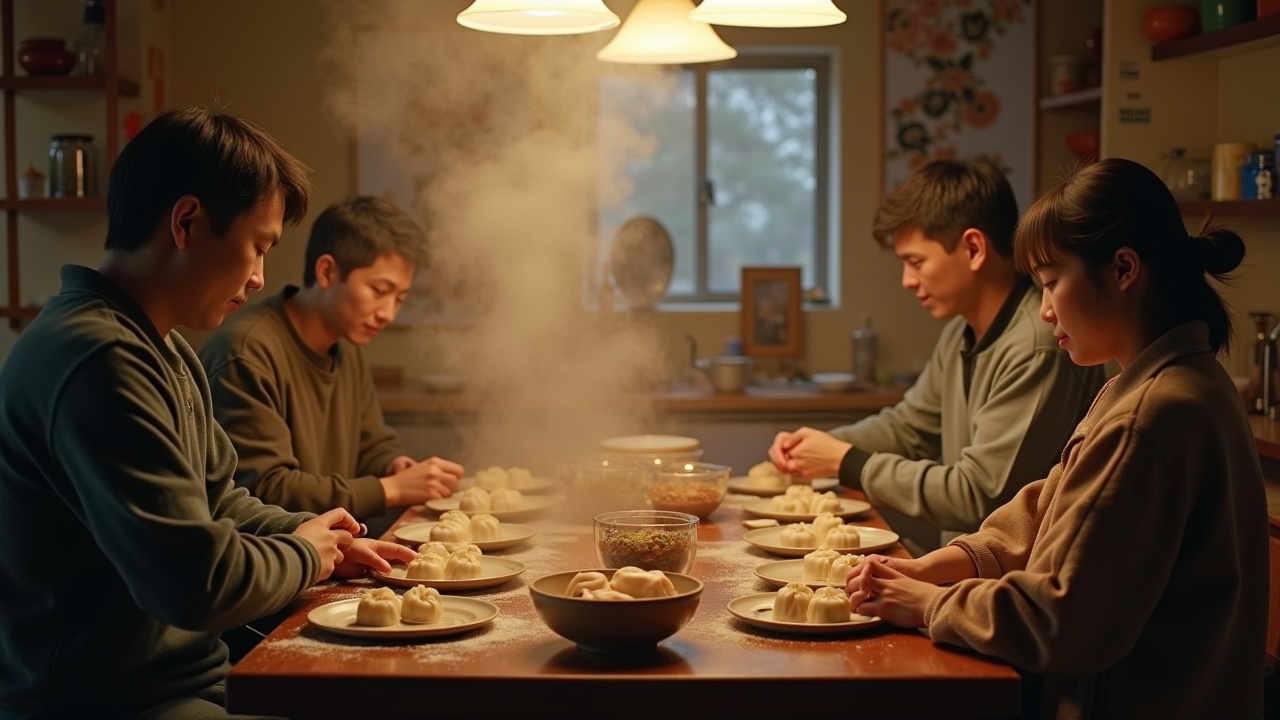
772	324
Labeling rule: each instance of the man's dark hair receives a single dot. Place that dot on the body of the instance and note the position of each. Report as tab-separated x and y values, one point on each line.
946	197
358	230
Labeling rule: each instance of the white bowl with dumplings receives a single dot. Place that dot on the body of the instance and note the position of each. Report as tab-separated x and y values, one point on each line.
630	625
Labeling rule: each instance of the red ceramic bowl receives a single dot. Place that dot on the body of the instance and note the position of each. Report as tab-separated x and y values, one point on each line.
1170	22
45	56
1084	143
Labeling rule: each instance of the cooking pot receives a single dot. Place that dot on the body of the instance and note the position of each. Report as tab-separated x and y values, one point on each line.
729	373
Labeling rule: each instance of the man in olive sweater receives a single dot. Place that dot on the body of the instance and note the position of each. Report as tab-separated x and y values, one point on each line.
291	386
997	399
110	448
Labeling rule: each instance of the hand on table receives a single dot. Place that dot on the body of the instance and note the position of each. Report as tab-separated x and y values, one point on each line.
808	453
331	534
419	482
876	588
364	556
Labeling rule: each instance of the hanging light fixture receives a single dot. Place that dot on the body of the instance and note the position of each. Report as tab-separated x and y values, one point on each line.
538	17
660	32
769	13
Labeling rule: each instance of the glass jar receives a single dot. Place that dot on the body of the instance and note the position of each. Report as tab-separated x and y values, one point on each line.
1187	178
72	171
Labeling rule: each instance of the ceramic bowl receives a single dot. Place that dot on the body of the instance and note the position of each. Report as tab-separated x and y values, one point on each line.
835	382
647	539
695	488
614	626
1170	22
45	56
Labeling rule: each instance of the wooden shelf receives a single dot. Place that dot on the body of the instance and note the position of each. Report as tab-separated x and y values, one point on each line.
125	88
1082	99
18	316
1245	37
1231	208
97	202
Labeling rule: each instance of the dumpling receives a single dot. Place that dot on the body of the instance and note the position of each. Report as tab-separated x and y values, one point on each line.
829	605
843	537
450	533
421	605
817	564
435	547
825	502
791	604
505	499
605	595
804	492
593	581
378	607
840	567
460	547
823	524
491	478
765	476
485	527
462	565
519	478
474	500
455	517
799	535
427	566
641	584
789	505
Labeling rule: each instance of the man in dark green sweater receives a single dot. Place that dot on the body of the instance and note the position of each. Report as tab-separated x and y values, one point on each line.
291	386
110	446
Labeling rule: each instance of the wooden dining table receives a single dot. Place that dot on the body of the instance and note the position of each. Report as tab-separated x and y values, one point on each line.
715	666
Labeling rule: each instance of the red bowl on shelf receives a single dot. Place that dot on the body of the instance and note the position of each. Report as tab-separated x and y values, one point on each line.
1085	144
1170	22
45	56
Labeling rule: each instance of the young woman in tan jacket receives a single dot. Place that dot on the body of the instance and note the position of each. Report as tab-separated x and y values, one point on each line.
1133	578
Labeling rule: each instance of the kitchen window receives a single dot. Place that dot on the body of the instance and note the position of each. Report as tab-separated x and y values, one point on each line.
737	168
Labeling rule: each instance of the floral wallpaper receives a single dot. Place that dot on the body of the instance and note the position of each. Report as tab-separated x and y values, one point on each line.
959	83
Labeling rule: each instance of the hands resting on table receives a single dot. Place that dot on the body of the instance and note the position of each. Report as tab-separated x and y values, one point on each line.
898	590
344	554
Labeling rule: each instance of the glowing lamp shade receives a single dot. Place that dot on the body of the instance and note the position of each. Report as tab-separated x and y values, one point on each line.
769	13
660	32
538	17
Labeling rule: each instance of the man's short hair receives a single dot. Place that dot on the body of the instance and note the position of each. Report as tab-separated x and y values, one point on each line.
946	197
230	164
359	230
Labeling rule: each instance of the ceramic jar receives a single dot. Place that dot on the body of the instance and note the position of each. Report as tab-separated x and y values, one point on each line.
45	56
1219	14
1170	22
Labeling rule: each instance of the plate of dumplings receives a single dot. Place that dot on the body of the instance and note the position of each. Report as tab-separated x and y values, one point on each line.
452	574
746	485
801	610
841	508
800	539
514	478
420	612
503	503
509	535
821	568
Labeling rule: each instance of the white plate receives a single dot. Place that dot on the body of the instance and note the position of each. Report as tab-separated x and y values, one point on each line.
649	444
493	571
742	485
757	610
781	572
459	615
512	534
764	508
540	485
532	504
770	540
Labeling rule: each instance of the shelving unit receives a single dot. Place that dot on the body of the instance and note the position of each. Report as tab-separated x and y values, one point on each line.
112	87
1248	37
1088	98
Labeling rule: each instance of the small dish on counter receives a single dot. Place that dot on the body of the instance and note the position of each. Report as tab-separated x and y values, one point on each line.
835	382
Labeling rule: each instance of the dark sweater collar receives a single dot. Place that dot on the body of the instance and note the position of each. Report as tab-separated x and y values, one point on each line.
972	345
81	279
325	363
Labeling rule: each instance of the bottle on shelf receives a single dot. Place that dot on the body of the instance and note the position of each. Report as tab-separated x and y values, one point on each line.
90	45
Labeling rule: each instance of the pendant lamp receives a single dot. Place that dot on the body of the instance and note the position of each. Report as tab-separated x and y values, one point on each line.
538	17
769	13
660	32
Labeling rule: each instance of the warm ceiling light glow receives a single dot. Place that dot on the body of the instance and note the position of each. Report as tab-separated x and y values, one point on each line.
769	13
538	17
660	32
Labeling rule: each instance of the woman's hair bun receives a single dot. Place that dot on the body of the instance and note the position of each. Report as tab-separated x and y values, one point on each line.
1219	250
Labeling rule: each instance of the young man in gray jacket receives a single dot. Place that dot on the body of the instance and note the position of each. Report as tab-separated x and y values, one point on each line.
997	399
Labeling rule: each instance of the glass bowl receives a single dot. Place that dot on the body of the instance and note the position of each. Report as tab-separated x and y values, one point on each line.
647	539
696	488
614	626
596	484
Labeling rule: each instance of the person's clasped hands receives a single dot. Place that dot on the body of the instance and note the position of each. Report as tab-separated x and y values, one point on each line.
808	453
885	587
343	553
411	482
